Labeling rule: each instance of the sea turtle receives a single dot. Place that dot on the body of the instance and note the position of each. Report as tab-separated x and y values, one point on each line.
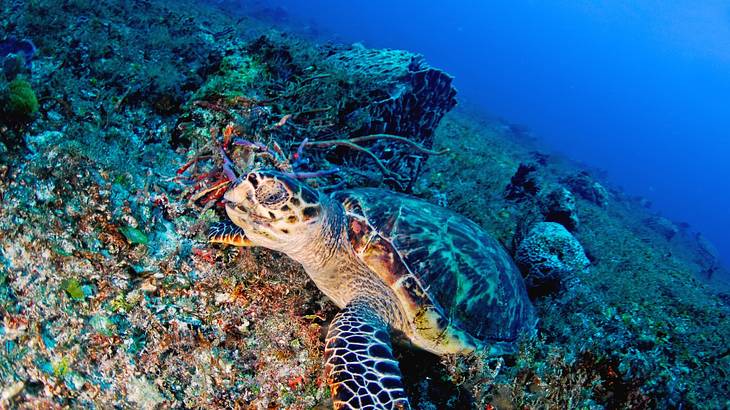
395	265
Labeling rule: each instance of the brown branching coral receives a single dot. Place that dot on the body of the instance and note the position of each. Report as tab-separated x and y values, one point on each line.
237	147
353	143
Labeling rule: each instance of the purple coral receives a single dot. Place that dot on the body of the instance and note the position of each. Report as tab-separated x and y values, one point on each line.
24	48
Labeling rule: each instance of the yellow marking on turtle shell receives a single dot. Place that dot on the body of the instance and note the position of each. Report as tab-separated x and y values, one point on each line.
418	305
399	282
441	340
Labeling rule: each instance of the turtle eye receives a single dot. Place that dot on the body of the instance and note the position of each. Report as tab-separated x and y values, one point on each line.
272	194
252	180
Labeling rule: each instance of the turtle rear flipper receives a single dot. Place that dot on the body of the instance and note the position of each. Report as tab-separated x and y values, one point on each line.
359	362
228	233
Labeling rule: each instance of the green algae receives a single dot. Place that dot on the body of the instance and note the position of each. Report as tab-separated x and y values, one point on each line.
18	102
136	341
73	288
237	76
61	367
120	304
102	325
134	235
59	250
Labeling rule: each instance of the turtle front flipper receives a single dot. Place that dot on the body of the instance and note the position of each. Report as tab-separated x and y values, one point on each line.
359	362
228	233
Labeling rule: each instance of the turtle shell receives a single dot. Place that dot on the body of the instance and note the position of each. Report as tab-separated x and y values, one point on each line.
453	279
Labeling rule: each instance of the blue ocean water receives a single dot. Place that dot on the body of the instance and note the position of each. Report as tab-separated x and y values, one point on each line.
639	89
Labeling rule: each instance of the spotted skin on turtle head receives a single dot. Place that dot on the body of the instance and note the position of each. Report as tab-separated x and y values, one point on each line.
359	362
273	209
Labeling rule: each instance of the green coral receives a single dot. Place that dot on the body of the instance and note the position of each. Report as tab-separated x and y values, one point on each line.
122	303
73	288
18	102
102	325
134	235
61	367
237	75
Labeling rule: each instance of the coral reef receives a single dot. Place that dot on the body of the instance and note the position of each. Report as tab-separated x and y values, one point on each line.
18	102
582	184
559	206
549	256
15	57
355	92
523	183
142	111
296	103
418	97
23	48
662	226
636	330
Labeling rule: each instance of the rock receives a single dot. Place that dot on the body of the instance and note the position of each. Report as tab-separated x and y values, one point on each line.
37	142
12	66
643	202
708	256
549	255
559	206
583	185
15	57
662	226
335	90
524	183
411	96
144	393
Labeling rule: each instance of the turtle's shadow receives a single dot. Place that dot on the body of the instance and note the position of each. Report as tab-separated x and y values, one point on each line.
427	381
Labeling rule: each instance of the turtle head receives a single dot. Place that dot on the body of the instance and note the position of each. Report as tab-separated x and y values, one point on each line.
276	211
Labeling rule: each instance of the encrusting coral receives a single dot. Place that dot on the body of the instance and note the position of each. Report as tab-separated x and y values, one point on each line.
549	255
18	102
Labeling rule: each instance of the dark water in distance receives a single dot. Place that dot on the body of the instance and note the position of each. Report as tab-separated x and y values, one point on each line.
640	89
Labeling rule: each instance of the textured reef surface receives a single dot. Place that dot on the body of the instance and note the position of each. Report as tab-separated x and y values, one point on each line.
121	124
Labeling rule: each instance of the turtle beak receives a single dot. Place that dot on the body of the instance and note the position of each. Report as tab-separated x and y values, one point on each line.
237	213
239	193
230	205
234	199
